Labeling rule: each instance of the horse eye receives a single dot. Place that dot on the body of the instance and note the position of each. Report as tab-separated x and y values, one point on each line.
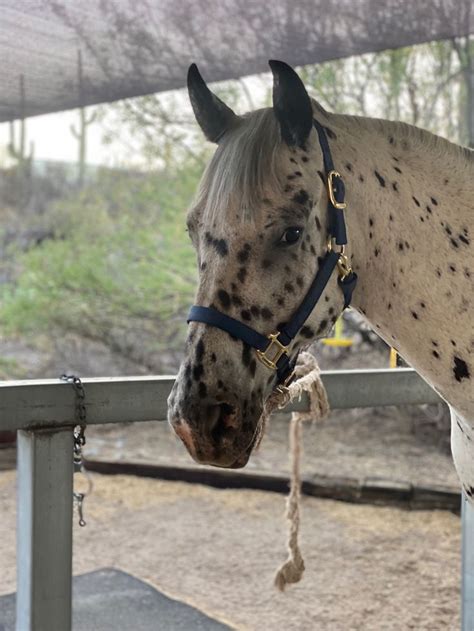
291	235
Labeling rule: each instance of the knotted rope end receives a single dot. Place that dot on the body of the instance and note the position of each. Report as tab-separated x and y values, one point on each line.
291	571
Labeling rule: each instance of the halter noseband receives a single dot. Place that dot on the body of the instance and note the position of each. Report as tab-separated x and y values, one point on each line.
272	349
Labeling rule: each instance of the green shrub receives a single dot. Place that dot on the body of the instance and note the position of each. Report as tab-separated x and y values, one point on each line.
120	267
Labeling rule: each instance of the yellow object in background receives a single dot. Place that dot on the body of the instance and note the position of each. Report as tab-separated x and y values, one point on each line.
393	358
338	338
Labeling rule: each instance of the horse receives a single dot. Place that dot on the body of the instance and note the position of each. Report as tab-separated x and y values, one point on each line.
262	225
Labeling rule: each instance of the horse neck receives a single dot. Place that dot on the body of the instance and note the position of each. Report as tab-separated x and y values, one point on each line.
409	212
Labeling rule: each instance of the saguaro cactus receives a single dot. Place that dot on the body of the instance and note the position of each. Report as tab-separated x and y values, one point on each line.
18	151
80	133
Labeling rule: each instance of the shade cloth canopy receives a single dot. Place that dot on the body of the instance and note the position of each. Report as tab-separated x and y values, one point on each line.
59	54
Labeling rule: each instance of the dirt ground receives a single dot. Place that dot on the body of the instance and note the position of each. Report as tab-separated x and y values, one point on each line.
368	568
390	443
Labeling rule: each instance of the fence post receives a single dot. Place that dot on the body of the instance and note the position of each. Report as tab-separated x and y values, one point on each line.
467	591
44	530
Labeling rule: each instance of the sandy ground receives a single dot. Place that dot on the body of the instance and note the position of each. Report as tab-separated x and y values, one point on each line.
391	443
368	568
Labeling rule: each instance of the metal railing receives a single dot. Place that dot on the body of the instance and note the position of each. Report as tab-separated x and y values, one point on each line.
43	413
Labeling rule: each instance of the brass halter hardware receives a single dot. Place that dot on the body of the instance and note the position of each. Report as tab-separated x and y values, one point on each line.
276	356
276	350
343	265
331	191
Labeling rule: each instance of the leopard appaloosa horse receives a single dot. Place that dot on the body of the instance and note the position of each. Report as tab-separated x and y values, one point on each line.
279	255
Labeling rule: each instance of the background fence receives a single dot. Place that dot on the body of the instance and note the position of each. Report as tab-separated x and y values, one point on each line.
43	413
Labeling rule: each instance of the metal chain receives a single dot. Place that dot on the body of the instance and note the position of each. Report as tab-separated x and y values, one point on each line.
79	438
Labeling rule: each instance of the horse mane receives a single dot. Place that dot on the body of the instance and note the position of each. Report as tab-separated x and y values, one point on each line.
419	137
243	168
437	144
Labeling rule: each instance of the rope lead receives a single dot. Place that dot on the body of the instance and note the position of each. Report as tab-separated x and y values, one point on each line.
308	380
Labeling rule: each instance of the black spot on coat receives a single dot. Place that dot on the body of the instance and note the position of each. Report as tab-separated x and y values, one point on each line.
380	179
198	371
301	197
242	274
460	369
253	367
244	254
220	245
199	351
246	354
322	326
224	298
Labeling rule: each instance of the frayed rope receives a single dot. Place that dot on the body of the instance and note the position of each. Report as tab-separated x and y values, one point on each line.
308	380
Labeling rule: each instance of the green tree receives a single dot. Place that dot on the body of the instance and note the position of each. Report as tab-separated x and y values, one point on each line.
422	85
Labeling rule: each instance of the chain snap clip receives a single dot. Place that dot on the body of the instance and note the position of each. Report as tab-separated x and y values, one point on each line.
79	440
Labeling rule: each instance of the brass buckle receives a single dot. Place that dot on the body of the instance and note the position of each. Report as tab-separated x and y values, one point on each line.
330	185
343	265
275	353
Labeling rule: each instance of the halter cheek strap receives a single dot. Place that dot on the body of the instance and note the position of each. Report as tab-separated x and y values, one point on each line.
272	350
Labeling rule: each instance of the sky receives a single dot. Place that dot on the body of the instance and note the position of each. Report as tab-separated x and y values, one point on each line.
53	140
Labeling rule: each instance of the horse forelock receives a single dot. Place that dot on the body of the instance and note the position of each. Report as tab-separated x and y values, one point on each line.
244	169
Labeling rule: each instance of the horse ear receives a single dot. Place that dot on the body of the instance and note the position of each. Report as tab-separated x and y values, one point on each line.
212	115
291	104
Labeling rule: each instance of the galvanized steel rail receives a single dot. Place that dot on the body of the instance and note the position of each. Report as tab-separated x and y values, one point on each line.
49	403
43	412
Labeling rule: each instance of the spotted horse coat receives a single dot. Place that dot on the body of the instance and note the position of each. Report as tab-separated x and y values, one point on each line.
259	225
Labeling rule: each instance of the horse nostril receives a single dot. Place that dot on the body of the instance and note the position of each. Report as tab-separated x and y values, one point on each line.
225	420
228	415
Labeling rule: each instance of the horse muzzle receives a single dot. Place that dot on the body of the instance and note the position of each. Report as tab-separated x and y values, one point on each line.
214	433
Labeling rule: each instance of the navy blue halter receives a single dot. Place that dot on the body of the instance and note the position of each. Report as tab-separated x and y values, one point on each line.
272	350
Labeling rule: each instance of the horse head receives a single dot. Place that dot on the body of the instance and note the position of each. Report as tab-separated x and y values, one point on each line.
259	225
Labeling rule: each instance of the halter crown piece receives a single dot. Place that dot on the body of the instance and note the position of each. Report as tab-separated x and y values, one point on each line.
273	349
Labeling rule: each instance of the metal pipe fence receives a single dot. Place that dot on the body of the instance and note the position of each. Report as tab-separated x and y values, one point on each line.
43	413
